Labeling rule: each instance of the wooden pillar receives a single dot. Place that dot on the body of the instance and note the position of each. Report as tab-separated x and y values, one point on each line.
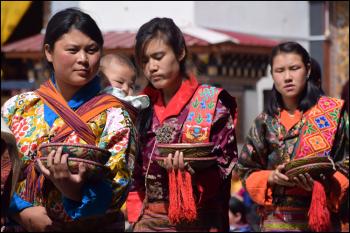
326	82
46	12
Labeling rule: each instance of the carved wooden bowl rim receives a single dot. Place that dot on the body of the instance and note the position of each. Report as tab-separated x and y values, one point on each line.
184	145
311	165
58	144
78	160
308	161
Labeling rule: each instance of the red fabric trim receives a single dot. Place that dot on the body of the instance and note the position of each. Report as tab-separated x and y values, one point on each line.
319	216
177	102
134	204
174	198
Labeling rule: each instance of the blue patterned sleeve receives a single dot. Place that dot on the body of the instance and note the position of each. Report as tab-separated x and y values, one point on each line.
96	200
17	204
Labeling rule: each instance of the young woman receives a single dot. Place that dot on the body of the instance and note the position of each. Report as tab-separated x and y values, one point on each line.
161	53
67	108
299	122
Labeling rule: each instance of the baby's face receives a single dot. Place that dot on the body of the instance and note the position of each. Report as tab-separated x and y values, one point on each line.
121	76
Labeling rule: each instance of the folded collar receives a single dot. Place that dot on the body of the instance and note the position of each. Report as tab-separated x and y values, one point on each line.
85	93
177	102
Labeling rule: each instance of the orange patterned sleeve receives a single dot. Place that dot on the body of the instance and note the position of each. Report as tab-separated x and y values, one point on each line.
338	188
258	189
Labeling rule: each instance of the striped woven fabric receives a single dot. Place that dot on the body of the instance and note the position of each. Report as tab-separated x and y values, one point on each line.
75	120
282	219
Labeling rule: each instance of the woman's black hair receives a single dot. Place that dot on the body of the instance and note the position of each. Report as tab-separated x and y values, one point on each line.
316	74
166	29
67	19
311	93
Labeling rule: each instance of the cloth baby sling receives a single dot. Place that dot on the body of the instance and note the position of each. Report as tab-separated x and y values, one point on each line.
74	121
317	138
196	129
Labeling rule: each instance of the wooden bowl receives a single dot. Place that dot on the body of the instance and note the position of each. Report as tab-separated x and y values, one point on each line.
314	165
94	158
196	154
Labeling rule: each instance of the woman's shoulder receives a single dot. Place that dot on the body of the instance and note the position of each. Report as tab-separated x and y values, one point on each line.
118	114
328	103
263	118
20	100
18	104
225	99
329	98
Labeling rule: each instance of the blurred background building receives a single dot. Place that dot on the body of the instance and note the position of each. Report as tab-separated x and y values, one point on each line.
229	42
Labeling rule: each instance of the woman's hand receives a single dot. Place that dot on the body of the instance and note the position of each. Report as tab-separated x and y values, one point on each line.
176	162
58	172
33	219
304	181
277	177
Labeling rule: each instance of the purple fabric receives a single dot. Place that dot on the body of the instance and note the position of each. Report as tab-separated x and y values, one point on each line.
222	134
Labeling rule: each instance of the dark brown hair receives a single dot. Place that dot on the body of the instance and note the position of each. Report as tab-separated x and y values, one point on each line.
166	29
311	93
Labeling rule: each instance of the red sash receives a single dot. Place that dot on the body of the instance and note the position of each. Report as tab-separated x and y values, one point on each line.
316	139
196	129
318	132
197	126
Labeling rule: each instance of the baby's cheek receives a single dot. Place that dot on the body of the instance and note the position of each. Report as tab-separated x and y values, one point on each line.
117	85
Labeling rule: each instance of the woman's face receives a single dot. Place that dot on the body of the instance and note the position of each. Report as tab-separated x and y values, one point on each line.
289	75
160	64
75	58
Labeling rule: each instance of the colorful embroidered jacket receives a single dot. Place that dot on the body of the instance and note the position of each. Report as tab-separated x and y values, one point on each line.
212	186
33	123
264	150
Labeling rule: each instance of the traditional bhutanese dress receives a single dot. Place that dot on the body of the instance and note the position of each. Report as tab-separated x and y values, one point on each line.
211	187
34	122
10	167
321	131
